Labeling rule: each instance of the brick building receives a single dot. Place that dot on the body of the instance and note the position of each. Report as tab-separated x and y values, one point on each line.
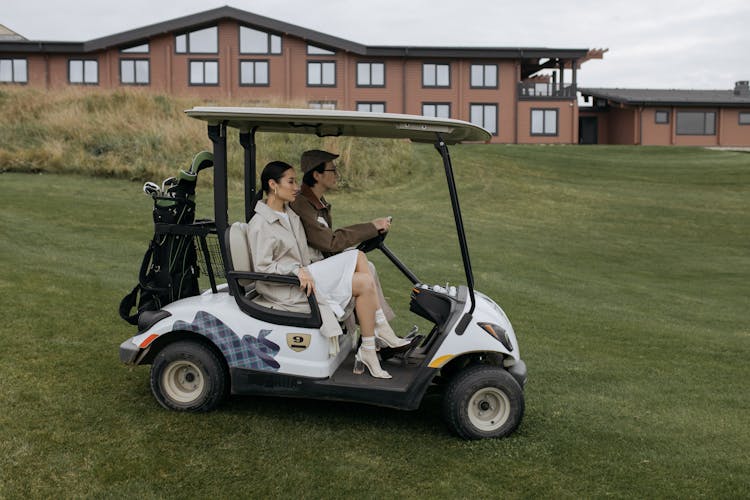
654	117
521	95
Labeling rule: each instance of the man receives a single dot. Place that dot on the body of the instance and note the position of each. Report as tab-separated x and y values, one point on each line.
319	175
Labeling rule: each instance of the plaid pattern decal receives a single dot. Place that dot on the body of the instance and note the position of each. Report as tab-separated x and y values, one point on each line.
246	352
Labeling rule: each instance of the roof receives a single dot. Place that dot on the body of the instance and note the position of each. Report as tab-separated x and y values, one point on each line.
206	18
670	97
8	34
342	123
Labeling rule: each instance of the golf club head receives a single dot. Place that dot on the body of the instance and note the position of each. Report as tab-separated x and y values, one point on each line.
151	189
171	181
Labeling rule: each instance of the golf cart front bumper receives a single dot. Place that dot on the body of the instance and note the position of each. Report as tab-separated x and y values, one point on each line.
128	352
518	370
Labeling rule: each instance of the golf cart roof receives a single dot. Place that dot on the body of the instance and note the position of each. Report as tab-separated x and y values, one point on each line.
342	123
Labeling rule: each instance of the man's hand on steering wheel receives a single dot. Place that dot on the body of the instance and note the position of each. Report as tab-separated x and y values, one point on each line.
383	224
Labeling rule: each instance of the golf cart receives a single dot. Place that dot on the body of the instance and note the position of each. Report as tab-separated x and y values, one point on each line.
220	342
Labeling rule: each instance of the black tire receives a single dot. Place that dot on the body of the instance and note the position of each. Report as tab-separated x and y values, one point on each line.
483	401
188	376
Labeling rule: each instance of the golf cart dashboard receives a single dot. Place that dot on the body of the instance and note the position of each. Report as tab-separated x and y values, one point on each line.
434	302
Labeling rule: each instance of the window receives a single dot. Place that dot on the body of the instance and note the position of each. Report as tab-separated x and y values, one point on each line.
317	51
371	107
138	49
370	75
14	71
83	71
696	123
484	115
204	72
134	71
436	109
258	42
484	76
661	116
205	41
544	121
321	74
254	73
322	104
436	75
744	118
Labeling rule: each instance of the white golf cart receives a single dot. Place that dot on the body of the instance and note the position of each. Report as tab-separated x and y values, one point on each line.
205	347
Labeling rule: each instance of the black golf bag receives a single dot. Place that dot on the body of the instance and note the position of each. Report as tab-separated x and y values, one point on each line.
169	270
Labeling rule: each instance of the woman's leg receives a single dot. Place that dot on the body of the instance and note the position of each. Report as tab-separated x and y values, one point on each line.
365	302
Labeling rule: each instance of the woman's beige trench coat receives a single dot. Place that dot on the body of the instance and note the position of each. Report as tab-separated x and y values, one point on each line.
279	246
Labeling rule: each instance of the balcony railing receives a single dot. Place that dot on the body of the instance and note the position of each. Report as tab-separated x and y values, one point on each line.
540	90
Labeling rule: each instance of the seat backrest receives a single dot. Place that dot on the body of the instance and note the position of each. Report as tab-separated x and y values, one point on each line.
240	250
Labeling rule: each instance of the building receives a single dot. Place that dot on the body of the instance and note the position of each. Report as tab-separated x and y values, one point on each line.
667	117
521	95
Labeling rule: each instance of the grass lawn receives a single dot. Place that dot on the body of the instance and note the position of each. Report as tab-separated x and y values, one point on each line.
625	271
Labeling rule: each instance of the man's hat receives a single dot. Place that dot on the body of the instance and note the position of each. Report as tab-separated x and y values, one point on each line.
313	158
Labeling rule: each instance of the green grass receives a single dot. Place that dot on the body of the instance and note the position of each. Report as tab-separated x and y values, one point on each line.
625	272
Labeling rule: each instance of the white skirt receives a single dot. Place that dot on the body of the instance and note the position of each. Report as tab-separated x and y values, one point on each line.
333	280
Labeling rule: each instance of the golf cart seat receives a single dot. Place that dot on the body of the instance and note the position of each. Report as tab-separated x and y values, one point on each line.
240	254
241	279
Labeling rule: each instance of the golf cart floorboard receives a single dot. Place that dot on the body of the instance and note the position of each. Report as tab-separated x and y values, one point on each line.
403	376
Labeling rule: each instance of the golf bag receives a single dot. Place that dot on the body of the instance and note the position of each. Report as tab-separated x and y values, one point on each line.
169	270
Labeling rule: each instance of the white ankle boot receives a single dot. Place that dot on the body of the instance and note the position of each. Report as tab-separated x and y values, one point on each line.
385	337
369	358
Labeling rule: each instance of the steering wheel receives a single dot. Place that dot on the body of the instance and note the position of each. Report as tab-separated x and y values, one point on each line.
372	243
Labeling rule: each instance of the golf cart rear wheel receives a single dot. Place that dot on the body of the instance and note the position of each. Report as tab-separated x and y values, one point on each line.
188	376
483	401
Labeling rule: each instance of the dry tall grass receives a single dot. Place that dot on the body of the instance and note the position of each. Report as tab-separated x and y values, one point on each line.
141	136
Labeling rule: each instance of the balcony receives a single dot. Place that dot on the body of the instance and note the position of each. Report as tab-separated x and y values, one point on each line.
550	91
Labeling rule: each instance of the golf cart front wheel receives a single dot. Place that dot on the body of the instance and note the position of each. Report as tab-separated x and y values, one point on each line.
483	402
188	376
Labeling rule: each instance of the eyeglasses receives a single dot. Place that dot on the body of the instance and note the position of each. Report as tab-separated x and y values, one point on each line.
335	172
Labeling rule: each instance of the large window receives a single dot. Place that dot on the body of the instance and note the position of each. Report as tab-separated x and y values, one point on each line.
370	74
544	122
83	71
371	107
322	104
254	73
436	109
205	41
204	72
484	115
484	76
696	123
744	118
13	71
134	71
258	42
436	75
321	74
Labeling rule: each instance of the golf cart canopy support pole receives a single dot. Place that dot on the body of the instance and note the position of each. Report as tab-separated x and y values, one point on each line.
218	135
247	140
443	149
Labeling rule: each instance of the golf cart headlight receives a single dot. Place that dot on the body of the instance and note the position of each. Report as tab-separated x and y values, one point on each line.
498	332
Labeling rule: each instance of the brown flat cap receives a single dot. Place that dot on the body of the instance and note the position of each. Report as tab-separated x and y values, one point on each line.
314	157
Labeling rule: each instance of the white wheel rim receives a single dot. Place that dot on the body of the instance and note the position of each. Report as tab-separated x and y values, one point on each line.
183	381
489	409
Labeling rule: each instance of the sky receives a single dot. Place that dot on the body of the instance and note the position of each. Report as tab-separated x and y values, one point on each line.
669	44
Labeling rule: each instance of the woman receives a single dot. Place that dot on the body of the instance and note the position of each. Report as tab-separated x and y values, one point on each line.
278	245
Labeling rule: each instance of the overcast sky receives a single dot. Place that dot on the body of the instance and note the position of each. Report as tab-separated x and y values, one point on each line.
687	44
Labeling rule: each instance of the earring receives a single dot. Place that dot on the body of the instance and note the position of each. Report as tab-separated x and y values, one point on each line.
275	191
